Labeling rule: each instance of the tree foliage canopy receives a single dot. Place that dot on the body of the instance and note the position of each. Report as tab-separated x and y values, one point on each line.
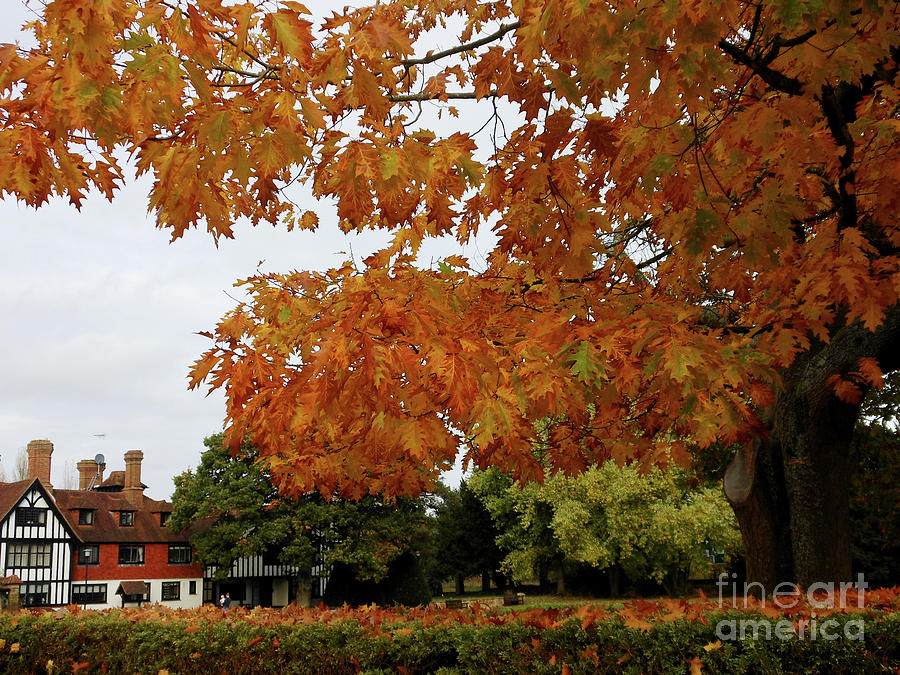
685	195
654	526
232	510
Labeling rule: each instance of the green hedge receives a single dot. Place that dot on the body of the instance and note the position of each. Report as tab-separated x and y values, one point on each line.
114	643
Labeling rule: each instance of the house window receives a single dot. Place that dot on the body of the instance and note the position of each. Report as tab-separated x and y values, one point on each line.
126	518
192	588
171	590
89	555
85	516
89	594
164	517
179	554
34	594
28	516
22	555
131	554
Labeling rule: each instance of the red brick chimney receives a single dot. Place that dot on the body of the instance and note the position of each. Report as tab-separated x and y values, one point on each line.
134	489
88	470
39	461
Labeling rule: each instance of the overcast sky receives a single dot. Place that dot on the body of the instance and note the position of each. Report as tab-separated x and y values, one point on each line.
100	315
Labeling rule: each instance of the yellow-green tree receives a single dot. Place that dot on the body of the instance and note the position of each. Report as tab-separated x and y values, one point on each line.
653	526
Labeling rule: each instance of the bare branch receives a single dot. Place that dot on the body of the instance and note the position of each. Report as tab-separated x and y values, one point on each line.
468	46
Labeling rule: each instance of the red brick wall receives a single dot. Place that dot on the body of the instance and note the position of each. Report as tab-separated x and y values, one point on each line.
156	566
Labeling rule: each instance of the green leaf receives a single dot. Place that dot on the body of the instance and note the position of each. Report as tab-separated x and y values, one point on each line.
585	366
217	130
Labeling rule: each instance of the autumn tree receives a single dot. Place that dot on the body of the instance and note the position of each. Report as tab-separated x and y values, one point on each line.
694	207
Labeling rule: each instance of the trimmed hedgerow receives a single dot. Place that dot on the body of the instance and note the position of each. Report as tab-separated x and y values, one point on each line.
119	642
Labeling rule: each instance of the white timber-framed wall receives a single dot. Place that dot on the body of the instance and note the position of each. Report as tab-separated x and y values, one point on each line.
253	581
36	545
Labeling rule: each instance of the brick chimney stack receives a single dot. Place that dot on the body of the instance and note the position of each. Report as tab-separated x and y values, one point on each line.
87	469
39	452
134	489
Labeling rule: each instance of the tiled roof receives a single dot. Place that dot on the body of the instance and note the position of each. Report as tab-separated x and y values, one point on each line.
115	481
11	493
106	528
131	588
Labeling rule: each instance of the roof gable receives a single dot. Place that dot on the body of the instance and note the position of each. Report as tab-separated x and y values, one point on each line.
12	494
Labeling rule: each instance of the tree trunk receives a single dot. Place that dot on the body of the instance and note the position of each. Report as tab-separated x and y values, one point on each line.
304	591
559	569
485	582
754	484
789	489
615	575
460	584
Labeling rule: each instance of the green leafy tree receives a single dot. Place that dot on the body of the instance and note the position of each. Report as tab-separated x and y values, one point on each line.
874	497
232	510
464	539
654	526
522	517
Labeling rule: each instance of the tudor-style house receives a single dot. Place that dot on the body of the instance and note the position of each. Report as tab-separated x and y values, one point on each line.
36	544
103	545
106	545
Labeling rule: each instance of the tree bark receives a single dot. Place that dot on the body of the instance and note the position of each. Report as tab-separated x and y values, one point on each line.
559	569
615	575
304	591
789	489
754	484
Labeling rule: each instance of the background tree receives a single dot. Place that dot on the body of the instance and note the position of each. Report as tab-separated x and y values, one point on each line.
522	517
231	509
655	527
464	539
875	475
20	469
695	210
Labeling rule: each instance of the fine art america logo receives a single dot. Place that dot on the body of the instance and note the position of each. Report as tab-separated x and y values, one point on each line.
786	596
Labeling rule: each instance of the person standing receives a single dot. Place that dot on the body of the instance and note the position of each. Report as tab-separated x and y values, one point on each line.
226	604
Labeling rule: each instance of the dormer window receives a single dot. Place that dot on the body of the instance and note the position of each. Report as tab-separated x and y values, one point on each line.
85	516
126	518
164	517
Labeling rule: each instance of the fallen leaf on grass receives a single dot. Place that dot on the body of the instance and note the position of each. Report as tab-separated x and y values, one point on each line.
696	665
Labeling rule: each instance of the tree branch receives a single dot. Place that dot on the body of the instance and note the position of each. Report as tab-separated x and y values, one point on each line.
775	79
468	46
450	95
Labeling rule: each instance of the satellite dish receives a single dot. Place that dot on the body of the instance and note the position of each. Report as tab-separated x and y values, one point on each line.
100	459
